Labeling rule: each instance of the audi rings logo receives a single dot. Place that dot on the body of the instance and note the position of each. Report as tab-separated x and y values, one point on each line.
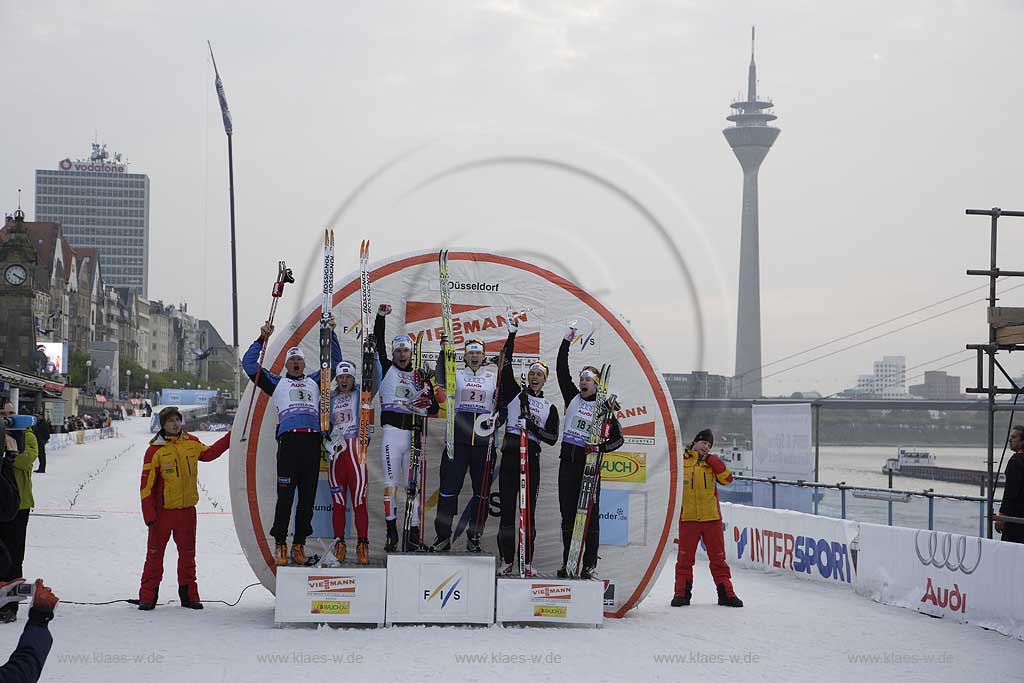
940	551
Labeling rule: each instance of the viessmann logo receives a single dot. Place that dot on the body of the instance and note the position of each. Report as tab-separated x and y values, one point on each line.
939	549
318	585
473	321
551	591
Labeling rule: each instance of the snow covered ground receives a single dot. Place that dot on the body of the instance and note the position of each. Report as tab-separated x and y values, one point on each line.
789	630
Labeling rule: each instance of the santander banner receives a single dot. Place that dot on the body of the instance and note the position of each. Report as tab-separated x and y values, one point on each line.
642	484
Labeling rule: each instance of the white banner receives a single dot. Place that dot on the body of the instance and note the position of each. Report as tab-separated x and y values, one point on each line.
349	595
783	448
809	547
553	601
965	578
440	589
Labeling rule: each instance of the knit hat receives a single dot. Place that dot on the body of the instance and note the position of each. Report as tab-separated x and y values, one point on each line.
705	435
345	368
167	412
294	352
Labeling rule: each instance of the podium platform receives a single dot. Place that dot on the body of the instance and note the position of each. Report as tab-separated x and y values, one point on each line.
440	588
326	595
547	599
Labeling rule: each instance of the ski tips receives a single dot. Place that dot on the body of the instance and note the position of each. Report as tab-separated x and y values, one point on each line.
364	249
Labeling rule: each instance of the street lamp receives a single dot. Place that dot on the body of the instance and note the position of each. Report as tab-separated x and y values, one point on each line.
88	372
129	382
146	390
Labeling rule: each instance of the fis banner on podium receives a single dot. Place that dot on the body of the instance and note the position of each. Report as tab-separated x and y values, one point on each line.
555	601
440	589
349	595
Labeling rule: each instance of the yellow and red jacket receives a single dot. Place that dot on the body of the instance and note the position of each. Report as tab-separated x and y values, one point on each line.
170	469
700	487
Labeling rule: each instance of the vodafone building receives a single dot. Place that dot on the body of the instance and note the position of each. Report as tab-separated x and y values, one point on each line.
103	206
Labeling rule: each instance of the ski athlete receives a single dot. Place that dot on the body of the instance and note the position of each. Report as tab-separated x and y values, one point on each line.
579	413
701	518
169	493
541	427
474	396
398	400
296	396
345	474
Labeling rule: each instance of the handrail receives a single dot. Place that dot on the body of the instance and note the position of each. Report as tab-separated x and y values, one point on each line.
926	493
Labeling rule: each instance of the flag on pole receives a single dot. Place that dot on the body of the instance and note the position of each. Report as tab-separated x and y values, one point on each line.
224	111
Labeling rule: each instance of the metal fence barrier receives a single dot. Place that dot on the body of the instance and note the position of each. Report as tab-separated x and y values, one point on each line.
887	495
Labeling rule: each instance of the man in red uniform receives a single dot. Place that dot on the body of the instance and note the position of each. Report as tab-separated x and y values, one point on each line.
169	496
702	519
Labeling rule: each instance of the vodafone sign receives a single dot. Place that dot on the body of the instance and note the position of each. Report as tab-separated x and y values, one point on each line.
91	166
543	302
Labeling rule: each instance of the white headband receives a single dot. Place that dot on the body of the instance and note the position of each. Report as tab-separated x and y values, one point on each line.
401	342
474	346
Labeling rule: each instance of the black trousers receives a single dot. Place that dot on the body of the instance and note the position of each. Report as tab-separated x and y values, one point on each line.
1013	533
42	457
570	477
12	534
453	476
298	467
508	491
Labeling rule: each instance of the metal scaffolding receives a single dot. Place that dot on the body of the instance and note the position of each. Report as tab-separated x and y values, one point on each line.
1005	333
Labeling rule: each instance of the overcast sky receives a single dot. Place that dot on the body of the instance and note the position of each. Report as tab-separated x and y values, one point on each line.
895	116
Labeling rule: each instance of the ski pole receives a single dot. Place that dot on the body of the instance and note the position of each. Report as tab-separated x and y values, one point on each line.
284	276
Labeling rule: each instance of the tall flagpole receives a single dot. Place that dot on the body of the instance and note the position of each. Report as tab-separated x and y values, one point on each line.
228	128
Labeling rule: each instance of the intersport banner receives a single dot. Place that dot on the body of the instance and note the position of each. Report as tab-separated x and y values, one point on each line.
641	479
968	579
809	547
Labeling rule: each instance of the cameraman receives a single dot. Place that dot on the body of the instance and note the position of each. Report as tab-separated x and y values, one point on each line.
12	533
26	662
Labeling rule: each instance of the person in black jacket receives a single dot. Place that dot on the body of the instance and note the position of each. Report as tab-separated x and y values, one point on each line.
541	427
579	413
42	430
26	662
1013	490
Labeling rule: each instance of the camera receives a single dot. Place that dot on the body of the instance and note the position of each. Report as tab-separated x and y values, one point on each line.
14	423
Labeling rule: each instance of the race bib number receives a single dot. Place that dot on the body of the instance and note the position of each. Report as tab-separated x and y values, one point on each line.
472	395
300	396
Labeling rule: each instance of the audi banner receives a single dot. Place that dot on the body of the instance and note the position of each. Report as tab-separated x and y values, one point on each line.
965	578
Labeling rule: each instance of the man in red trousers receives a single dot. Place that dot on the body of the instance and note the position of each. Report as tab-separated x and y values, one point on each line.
169	496
702	519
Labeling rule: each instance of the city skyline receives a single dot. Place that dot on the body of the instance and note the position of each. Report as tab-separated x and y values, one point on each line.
861	214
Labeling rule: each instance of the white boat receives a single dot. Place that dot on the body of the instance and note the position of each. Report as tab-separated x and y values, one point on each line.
908	457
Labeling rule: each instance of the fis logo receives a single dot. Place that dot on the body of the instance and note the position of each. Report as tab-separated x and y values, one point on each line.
352	329
447	590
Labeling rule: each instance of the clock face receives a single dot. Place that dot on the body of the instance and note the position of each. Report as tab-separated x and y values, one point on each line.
16	275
